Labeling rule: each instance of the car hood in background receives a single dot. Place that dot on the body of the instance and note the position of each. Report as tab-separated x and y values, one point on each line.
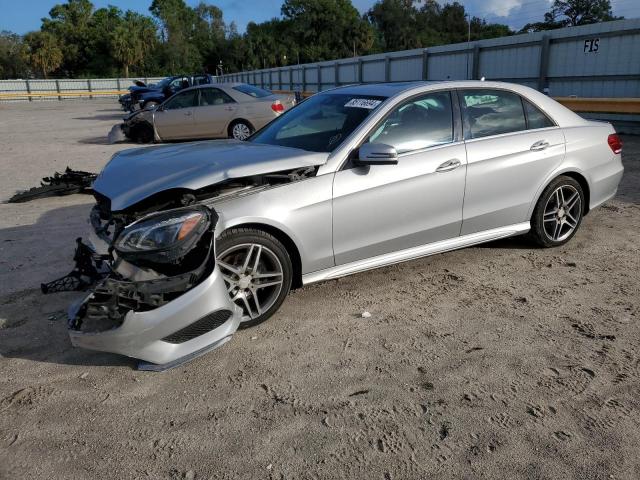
133	175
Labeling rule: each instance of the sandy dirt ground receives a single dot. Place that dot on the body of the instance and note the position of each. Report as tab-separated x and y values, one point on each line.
502	361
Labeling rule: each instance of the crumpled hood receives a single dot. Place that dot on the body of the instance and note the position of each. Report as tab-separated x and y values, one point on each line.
137	89
135	174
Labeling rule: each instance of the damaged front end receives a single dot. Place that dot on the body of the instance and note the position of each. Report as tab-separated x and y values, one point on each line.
137	126
162	300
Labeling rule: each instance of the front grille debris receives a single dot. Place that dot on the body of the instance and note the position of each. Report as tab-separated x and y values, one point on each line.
66	183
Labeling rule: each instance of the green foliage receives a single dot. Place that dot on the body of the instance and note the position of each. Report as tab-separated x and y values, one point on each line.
571	13
14	56
44	53
132	39
76	40
402	25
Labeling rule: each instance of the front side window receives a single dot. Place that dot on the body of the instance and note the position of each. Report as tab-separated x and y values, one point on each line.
213	96
182	100
491	112
535	117
320	123
420	123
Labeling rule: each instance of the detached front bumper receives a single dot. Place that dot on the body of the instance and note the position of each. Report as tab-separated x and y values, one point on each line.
195	322
162	319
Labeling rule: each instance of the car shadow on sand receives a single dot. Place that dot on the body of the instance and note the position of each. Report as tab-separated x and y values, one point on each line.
33	326
102	140
115	116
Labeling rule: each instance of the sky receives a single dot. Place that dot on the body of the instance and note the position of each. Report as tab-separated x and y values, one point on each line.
23	16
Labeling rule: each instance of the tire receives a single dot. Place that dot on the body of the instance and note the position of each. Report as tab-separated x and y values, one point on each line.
274	267
558	213
240	130
142	133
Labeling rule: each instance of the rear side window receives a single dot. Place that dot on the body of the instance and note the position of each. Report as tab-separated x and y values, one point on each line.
491	112
252	91
420	123
213	96
535	118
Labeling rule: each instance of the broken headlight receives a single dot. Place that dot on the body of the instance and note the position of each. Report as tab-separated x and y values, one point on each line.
164	237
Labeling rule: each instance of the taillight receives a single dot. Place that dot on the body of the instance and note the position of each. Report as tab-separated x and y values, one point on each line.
277	107
615	143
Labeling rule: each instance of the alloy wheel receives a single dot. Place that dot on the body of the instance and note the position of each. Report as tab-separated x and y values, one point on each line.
240	131
254	277
562	213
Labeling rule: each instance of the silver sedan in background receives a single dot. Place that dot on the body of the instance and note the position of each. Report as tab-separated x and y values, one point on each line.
205	236
226	110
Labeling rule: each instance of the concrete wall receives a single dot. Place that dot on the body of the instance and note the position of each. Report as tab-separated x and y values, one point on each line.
600	60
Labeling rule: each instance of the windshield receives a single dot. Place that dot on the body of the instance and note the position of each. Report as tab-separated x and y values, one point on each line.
320	123
164	82
252	91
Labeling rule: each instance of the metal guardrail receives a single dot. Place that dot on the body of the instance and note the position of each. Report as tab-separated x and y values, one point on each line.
60	88
601	105
94	93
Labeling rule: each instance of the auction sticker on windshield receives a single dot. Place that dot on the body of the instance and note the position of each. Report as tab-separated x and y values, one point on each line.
368	103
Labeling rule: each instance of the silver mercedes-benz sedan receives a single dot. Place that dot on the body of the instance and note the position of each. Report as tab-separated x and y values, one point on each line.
194	240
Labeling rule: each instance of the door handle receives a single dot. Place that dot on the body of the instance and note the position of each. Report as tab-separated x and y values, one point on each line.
449	165
229	109
539	145
188	114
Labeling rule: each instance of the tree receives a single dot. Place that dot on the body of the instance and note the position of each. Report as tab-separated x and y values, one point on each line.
571	13
44	53
132	40
396	20
13	56
177	22
401	25
209	34
325	29
69	24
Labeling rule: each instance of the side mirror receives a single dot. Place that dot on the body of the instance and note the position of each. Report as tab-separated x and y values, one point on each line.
377	154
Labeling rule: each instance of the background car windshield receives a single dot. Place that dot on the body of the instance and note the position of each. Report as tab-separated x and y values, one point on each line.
252	91
164	82
320	123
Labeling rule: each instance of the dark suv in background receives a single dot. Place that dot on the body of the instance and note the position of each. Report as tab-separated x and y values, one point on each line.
145	96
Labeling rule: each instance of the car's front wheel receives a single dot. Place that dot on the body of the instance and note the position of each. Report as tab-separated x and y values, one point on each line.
257	271
558	213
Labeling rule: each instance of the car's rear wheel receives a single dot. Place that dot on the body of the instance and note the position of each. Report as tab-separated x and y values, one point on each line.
240	130
257	271
558	213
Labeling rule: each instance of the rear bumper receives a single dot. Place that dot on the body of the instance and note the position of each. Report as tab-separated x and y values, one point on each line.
604	183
